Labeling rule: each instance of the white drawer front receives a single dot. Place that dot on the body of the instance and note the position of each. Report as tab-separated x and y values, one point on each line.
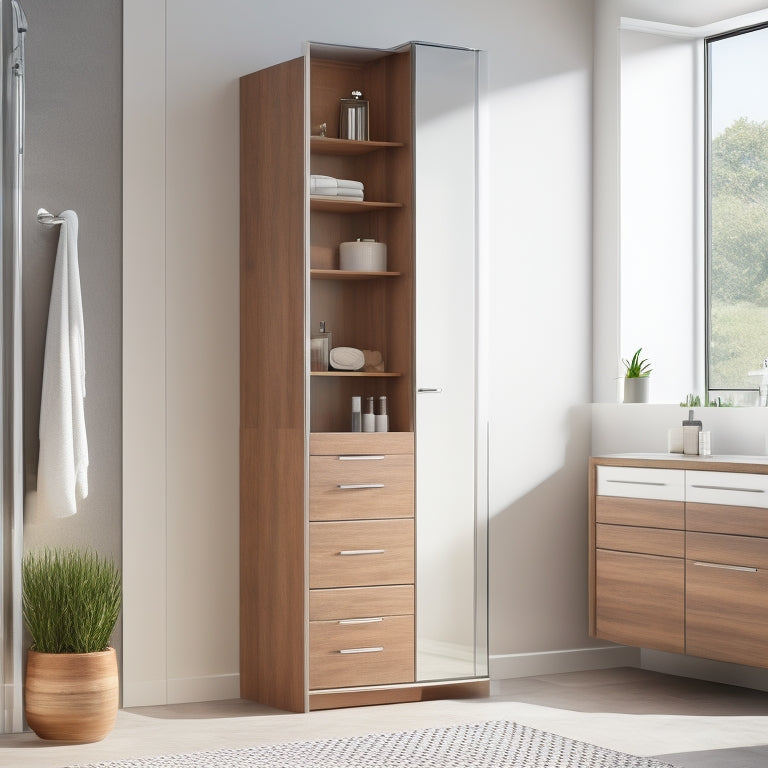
732	488
641	483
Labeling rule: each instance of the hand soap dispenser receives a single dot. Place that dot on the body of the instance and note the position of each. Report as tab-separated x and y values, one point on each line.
691	429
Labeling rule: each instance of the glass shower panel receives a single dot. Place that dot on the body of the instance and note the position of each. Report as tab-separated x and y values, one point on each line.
450	500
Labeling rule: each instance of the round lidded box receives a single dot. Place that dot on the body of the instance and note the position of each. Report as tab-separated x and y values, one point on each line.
363	256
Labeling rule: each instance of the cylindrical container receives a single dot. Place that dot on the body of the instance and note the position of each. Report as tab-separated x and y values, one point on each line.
363	256
369	418
705	444
353	117
71	696
356	421
382	419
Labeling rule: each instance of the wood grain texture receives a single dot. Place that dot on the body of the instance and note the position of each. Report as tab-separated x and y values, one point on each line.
331	498
727	614
719	518
742	551
272	355
394	663
329	568
649	541
359	443
677	461
640	600
360	602
651	513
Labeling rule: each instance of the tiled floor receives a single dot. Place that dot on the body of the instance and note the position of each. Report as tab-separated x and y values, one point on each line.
688	723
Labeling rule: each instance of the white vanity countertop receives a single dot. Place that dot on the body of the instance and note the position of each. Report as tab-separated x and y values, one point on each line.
713	461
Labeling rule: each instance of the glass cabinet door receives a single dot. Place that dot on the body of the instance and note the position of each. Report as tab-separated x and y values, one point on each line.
451	592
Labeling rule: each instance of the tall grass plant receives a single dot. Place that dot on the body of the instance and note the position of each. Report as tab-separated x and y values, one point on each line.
71	600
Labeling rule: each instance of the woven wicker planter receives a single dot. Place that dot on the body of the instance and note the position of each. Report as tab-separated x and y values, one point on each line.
71	696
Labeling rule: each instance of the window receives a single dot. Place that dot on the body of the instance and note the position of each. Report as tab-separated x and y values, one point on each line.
737	213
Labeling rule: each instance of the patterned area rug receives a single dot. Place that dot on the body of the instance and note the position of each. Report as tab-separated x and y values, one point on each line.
497	744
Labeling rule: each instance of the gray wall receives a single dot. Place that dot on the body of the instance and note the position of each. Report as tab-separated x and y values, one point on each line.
73	160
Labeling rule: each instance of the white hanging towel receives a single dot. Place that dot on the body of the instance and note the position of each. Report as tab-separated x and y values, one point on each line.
62	472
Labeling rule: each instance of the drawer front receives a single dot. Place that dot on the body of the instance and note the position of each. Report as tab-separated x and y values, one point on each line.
641	482
360	602
374	652
350	443
734	551
641	512
361	553
719	518
360	486
649	541
738	489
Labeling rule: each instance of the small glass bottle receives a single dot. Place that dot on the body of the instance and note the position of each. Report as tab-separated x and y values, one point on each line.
382	419
356	424
320	349
369	419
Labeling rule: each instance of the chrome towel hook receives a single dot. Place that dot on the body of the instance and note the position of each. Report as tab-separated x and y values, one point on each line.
44	217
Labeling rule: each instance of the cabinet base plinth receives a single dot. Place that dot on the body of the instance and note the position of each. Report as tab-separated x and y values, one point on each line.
362	697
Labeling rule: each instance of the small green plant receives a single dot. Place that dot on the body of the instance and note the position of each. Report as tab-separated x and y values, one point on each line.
71	600
636	367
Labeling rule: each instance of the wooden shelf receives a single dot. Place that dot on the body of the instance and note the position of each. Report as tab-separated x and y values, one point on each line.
357	374
334	205
323	145
348	274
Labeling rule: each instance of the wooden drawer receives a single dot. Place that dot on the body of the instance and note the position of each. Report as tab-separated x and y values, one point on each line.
641	482
738	489
640	512
360	602
351	443
360	486
649	541
361	553
717	518
737	551
343	654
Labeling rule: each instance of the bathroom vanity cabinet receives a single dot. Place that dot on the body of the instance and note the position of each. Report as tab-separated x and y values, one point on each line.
363	568
679	555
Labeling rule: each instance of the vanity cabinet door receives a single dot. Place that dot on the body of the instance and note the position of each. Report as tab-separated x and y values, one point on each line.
727	598
639	600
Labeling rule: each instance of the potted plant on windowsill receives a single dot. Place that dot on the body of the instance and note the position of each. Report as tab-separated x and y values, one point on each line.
71	600
636	379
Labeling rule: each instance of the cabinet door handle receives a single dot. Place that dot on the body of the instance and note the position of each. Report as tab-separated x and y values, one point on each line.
362	552
361	621
358	486
728	488
365	457
746	568
635	482
375	649
429	390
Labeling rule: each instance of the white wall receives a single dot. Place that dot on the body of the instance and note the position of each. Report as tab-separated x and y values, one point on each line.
181	318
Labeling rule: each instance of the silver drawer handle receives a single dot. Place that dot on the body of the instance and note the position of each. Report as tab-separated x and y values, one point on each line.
429	390
362	458
362	552
361	621
635	482
358	486
727	567
728	488
362	650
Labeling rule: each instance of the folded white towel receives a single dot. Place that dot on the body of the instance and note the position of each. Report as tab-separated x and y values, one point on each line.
339	194
62	473
346	359
318	183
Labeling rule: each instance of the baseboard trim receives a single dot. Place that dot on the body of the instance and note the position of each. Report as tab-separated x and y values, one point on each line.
209	688
510	665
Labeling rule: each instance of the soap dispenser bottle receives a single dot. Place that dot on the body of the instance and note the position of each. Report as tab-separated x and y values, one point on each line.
691	429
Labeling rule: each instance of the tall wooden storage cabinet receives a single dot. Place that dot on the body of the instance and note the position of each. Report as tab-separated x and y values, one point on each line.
329	556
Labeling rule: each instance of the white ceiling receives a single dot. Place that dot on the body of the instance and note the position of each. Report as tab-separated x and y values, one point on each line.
689	13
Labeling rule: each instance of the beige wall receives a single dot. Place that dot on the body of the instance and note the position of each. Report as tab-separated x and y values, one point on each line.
181	317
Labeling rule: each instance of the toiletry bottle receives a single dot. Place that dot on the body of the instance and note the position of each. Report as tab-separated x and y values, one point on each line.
369	419
321	345
356	423
691	429
382	420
